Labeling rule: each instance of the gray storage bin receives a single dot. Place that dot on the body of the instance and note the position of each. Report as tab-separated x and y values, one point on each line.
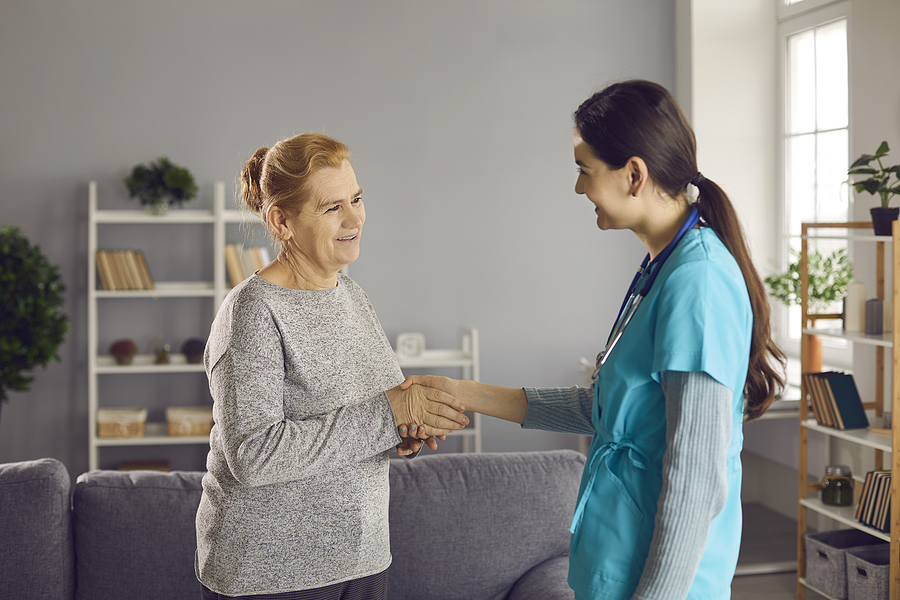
868	573
826	558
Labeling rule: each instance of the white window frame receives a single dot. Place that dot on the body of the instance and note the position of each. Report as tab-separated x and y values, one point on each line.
799	17
804	6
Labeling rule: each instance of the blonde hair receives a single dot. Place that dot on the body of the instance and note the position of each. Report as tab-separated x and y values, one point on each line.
279	176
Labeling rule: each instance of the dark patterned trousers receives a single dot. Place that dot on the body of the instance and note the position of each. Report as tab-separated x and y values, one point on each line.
373	587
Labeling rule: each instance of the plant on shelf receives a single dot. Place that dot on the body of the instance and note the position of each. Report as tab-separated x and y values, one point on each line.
160	184
123	351
193	350
878	181
32	326
828	280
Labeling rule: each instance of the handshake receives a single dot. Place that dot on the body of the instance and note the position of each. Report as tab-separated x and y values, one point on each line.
426	409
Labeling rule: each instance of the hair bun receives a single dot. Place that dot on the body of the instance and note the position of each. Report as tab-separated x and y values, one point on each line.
251	176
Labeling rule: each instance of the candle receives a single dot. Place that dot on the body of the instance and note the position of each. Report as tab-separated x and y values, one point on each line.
855	306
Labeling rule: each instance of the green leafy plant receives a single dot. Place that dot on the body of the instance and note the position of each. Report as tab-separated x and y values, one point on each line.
828	279
879	179
32	326
161	181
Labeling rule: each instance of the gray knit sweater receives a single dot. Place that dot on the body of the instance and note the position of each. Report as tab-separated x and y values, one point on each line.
296	493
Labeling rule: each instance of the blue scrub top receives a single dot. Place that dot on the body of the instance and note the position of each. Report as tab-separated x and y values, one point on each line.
696	317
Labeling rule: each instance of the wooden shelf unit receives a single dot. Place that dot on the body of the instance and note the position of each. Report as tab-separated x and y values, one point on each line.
808	494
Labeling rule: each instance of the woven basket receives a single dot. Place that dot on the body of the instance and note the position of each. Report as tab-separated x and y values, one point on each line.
189	420
121	422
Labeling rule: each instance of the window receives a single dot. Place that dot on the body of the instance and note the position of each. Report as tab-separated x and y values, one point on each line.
815	128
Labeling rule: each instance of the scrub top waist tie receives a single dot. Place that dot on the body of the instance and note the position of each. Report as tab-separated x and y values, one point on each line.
605	452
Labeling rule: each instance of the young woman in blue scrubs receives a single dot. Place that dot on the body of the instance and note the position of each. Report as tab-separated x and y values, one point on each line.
689	359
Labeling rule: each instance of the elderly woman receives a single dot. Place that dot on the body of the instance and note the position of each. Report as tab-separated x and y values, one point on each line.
306	399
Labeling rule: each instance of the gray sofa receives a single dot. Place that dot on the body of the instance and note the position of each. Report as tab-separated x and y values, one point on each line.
463	526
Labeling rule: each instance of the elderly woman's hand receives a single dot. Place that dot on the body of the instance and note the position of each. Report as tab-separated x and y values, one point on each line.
435	412
411	444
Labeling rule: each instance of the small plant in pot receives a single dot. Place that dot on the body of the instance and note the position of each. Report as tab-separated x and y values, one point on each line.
193	350
32	325
160	184
123	351
829	277
878	181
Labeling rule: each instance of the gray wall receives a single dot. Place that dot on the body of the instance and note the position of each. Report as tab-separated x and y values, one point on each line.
459	118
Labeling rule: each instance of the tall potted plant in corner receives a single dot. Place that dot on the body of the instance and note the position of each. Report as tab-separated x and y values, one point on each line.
160	184
878	181
32	326
828	280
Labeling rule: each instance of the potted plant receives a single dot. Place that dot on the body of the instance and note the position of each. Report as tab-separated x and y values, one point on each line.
160	184
828	280
878	181
32	326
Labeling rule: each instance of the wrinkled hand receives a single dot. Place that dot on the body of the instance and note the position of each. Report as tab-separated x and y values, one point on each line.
411	445
435	412
458	388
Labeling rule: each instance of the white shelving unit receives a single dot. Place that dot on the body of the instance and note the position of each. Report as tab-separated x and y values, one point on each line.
882	443
99	363
466	358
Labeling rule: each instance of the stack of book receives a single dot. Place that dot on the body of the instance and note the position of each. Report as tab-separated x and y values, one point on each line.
244	262
874	507
835	400
123	270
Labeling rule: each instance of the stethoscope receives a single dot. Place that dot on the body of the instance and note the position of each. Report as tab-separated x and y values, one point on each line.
646	273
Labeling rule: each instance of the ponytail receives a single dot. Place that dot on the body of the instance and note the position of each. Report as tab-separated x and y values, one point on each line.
764	381
640	118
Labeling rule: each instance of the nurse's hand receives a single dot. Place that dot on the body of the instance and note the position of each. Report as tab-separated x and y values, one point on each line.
434	412
510	404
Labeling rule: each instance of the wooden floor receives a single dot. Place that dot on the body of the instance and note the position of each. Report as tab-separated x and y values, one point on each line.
769	540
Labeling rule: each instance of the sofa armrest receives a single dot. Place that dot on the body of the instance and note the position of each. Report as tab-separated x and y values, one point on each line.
546	581
37	559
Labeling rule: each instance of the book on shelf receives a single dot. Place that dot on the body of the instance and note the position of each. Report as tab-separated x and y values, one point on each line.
123	270
816	398
864	494
243	262
835	400
874	507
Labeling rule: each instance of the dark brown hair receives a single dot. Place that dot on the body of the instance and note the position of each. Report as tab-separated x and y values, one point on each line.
640	118
278	176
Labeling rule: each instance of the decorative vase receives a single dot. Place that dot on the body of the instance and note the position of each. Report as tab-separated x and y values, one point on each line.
813	353
161	208
883	219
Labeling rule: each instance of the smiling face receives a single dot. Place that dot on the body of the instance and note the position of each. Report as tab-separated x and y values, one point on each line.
608	189
325	234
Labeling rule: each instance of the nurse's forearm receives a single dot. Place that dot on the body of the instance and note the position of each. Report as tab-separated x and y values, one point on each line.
509	404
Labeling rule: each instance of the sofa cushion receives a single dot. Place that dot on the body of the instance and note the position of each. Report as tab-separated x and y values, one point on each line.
547	581
468	526
135	535
36	550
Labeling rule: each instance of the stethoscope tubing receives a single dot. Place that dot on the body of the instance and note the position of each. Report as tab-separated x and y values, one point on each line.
634	297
